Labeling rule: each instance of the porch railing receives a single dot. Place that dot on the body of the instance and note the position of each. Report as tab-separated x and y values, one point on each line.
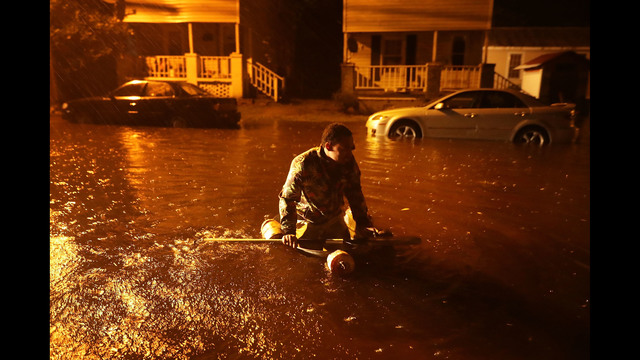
215	67
164	66
414	77
459	77
175	67
219	75
265	80
501	82
391	78
215	73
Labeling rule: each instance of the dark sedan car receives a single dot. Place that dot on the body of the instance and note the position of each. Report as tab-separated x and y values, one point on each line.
155	103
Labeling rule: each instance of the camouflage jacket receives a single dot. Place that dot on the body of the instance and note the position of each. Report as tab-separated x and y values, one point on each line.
315	190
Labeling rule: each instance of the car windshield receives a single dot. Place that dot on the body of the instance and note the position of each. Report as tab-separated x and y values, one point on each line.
193	90
129	89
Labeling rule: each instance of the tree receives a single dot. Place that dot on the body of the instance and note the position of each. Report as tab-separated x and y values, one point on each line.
84	37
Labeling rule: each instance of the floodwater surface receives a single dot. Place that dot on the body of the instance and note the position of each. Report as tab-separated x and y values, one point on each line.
502	271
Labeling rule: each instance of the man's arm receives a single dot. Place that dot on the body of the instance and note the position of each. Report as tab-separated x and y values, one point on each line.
289	197
355	197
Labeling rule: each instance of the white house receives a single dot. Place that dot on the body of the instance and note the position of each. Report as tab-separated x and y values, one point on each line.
389	42
557	77
510	47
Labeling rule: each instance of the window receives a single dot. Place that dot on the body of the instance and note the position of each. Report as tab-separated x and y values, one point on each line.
457	52
193	90
514	61
158	89
393	49
392	52
465	100
494	99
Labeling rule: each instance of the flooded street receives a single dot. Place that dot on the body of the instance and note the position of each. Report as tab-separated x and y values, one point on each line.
502	272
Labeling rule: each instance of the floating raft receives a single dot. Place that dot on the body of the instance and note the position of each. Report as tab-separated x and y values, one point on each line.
339	261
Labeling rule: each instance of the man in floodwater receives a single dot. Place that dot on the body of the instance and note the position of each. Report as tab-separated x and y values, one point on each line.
312	198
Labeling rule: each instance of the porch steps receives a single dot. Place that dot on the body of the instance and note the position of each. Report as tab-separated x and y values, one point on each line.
265	80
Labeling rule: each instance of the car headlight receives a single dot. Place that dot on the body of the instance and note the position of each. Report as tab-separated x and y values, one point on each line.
65	106
380	118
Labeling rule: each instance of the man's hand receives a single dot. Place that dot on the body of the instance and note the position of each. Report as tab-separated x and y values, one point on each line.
290	240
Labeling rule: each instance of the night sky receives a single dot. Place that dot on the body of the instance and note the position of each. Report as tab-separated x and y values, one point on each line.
541	13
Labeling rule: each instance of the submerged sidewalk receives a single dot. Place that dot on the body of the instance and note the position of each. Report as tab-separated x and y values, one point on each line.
314	110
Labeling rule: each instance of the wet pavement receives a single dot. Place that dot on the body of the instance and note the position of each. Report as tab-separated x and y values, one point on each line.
502	272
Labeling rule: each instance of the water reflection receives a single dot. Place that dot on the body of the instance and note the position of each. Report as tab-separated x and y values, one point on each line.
503	271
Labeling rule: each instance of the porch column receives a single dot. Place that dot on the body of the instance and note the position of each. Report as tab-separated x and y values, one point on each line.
487	72
434	51
348	75
191	38
236	75
192	64
237	27
348	97
434	72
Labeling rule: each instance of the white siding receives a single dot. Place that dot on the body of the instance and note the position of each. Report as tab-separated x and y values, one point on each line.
416	15
531	81
499	55
183	11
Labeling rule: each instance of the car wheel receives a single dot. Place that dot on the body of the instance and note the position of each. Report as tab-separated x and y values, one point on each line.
178	121
405	130
532	135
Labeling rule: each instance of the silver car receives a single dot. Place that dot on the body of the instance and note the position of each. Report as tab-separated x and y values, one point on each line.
489	114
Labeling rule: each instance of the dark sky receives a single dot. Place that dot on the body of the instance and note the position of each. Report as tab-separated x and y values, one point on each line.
541	13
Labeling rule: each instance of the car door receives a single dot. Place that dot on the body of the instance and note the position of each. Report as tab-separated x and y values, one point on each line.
199	106
455	117
127	99
498	114
155	105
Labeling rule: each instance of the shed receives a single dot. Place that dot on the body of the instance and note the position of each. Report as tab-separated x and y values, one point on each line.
557	77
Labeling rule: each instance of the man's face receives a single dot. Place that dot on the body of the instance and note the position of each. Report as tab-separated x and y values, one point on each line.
342	151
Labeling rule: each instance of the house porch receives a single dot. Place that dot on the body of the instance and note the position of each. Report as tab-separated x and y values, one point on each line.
376	87
222	76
